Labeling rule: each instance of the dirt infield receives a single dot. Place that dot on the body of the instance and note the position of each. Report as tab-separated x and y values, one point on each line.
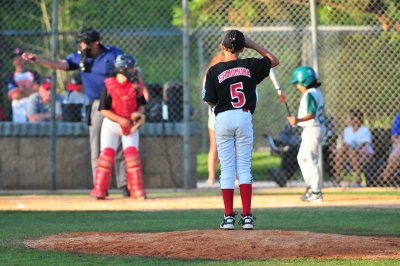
225	245
211	244
263	198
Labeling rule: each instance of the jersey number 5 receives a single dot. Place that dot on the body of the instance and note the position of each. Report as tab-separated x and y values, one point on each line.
237	95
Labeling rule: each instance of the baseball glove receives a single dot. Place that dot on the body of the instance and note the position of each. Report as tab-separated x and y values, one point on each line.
139	120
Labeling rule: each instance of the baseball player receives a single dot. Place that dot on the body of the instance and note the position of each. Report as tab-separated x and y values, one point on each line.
230	90
311	118
121	101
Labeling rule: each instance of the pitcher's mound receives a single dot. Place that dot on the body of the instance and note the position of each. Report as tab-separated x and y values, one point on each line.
218	244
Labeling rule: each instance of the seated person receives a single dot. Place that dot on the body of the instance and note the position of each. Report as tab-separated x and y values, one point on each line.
357	147
21	83
393	162
2	116
172	106
329	146
290	137
75	101
2	109
39	104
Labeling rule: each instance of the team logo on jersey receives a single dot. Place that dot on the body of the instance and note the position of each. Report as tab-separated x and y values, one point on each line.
233	72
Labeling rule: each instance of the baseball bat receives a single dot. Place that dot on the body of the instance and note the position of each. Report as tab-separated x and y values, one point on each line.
277	86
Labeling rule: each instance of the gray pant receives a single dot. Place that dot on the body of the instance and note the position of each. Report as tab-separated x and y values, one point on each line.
96	119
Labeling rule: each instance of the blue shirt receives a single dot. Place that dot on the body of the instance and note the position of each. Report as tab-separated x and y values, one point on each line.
101	67
396	126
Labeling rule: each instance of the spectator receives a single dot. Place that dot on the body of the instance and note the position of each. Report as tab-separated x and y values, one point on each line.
290	137
288	144
95	62
2	115
356	149
21	83
212	151
393	162
173	102
75	101
39	104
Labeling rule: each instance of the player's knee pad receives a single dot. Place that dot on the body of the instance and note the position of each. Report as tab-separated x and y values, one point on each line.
134	172
104	169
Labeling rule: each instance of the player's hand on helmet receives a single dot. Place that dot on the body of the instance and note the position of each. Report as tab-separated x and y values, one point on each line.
292	120
248	43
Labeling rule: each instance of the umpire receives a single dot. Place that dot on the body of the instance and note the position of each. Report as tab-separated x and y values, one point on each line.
95	62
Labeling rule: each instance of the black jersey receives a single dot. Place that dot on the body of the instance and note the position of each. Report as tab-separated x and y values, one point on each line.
232	85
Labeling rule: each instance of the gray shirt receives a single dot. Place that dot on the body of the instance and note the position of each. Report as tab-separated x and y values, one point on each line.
36	105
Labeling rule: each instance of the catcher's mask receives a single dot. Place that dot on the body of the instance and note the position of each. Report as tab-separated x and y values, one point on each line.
125	64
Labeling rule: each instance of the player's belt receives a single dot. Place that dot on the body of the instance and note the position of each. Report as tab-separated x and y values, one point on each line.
245	110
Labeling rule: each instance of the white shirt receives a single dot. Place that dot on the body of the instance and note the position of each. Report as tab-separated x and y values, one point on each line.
355	139
19	108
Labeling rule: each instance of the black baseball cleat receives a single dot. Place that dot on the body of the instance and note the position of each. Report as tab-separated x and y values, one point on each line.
125	192
228	223
247	221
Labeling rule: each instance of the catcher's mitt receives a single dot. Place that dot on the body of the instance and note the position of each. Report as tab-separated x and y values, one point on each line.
139	120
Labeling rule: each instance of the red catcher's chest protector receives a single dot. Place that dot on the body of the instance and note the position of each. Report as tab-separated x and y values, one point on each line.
124	101
123	96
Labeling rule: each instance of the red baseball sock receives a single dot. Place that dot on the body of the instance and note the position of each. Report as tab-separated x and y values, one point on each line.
227	196
245	194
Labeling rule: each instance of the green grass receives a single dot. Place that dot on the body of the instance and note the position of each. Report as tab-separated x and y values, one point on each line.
261	161
16	226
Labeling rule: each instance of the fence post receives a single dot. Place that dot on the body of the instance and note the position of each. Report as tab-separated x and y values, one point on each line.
186	111
314	43
314	35
54	44
203	106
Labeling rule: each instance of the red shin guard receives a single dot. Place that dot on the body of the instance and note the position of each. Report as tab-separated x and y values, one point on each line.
227	196
246	191
134	173
103	173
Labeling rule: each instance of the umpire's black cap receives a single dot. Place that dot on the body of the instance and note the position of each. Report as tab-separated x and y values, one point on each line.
87	35
233	40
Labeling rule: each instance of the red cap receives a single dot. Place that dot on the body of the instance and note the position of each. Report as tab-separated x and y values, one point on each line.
46	84
74	87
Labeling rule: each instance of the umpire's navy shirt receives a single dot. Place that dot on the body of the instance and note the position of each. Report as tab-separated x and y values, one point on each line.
102	67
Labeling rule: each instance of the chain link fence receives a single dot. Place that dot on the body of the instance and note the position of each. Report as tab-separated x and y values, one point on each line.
357	60
358	65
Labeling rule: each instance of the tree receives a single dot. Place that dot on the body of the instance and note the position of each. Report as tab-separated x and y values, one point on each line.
266	12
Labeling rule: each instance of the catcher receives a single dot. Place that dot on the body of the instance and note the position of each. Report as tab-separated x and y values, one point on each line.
122	105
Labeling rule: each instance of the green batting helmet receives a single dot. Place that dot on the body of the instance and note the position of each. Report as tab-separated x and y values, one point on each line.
304	75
